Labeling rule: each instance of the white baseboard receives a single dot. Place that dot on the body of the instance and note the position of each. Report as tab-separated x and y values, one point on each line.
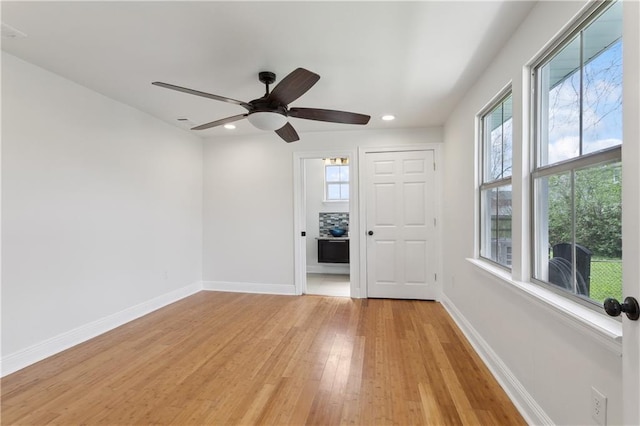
328	269
25	357
524	402
239	287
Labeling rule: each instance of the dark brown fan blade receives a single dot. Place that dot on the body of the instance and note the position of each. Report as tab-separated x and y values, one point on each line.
203	94
293	86
329	115
220	122
288	133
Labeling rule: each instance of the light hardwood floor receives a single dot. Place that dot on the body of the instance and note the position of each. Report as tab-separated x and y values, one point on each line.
228	358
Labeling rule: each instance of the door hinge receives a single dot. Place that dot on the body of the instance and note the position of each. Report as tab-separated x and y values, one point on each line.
435	277
434	166
434	221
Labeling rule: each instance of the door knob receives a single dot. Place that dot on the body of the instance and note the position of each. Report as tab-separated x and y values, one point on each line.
629	306
370	232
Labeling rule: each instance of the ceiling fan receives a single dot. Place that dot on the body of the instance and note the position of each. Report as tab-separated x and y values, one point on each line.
270	112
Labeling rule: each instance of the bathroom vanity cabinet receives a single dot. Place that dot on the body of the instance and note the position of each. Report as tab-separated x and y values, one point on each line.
333	250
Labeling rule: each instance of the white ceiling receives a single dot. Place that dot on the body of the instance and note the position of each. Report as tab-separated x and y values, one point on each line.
411	59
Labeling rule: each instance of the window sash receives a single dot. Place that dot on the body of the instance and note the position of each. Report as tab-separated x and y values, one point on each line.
540	86
491	226
496	183
342	185
496	225
485	138
540	240
605	156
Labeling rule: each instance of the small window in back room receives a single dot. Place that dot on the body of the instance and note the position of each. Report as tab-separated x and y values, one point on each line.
336	179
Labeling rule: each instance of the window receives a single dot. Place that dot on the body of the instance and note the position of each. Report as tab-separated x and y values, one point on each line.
495	187
577	232
336	179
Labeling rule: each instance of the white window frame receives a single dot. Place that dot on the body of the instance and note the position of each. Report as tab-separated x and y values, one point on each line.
485	225
582	161
341	182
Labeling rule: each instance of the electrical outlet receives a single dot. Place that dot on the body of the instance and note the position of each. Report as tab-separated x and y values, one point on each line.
598	407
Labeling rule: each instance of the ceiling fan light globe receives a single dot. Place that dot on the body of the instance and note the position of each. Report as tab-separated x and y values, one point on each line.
265	120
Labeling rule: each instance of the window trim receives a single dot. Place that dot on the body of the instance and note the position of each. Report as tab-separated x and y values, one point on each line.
593	159
592	323
502	96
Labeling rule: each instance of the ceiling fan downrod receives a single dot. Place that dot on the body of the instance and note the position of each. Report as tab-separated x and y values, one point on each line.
266	77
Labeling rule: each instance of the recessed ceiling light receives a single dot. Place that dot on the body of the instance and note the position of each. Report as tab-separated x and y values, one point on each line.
388	117
230	126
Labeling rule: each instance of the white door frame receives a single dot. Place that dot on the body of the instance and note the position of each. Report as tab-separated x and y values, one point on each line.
300	218
362	151
631	210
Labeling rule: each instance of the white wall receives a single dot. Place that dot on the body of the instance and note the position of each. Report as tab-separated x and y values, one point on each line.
248	202
547	361
315	204
102	208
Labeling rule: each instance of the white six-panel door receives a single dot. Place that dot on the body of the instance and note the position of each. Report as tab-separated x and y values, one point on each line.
400	224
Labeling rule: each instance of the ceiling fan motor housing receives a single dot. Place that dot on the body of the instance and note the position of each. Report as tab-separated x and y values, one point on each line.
266	77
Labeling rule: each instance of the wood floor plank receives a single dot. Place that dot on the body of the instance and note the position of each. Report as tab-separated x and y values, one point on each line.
229	358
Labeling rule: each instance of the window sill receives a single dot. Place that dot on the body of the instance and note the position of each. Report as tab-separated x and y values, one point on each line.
604	329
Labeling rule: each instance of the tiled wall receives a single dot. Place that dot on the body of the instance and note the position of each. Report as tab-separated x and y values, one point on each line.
333	220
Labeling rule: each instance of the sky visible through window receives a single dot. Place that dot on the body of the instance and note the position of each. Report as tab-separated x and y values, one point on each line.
601	107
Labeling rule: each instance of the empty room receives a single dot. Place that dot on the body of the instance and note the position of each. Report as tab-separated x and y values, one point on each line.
303	212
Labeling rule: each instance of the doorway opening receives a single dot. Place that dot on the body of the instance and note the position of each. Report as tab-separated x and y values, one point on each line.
324	206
